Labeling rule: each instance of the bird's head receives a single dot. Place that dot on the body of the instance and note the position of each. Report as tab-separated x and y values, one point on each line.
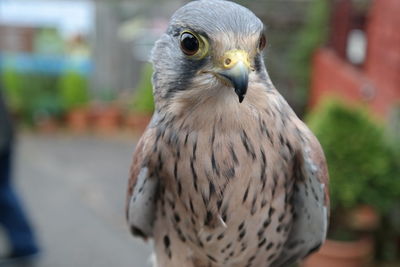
212	48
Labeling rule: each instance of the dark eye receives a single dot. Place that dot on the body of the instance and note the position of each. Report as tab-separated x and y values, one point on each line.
189	44
262	42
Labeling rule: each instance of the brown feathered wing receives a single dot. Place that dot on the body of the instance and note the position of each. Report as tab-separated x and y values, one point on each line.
142	189
310	201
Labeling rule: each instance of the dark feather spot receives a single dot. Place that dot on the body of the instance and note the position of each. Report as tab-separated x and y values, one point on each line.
208	218
271	257
260	233
241	226
219	203
194	150
266	223
179	188
242	234
262	242
233	155
247	145
211	189
214	164
177	218
208	239
194	174
176	170
281	217
253	205
220	236
211	258
271	211
263	203
186	138
191	206
269	246
229	173
246	193
166	241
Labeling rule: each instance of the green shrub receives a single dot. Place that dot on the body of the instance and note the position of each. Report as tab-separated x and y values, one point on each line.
12	84
143	98
73	90
31	95
359	161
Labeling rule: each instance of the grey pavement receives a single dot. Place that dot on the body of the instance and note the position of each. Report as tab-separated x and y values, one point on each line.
74	191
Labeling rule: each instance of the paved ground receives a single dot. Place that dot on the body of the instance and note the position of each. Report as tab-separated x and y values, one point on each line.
74	190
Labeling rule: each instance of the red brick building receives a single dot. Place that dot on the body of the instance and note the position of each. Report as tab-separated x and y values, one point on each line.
375	81
16	39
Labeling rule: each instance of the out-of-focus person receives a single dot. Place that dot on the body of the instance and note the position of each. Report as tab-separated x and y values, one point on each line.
23	245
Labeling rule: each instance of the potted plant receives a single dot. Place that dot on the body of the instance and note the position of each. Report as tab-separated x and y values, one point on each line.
47	110
361	185
106	113
142	106
74	97
44	101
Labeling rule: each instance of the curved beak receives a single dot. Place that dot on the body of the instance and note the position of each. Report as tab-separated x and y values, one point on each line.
236	69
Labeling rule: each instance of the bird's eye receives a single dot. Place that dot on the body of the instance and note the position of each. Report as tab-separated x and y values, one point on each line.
189	43
262	42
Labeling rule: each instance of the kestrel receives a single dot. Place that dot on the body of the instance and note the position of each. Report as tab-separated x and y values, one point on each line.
225	174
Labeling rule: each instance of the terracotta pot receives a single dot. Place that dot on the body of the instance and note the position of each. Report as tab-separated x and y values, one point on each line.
47	125
342	254
137	122
364	218
107	119
78	120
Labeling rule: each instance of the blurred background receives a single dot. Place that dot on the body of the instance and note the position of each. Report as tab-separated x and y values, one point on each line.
76	80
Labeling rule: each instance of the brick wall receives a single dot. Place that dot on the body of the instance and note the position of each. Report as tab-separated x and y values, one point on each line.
378	82
332	76
383	57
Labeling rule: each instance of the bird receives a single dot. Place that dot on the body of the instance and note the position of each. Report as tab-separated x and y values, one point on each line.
225	174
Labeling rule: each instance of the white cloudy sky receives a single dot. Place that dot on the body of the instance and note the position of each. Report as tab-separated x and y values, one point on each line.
69	16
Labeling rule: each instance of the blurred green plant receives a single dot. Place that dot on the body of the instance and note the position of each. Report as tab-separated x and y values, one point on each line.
360	163
13	89
44	96
31	96
73	90
313	34
106	95
143	98
48	41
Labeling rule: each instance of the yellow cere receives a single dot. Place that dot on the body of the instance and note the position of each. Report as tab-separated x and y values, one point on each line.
234	56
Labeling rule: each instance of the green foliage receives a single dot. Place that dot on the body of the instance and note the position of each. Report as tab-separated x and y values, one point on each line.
359	161
13	89
73	90
143	99
49	41
106	95
312	35
32	96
